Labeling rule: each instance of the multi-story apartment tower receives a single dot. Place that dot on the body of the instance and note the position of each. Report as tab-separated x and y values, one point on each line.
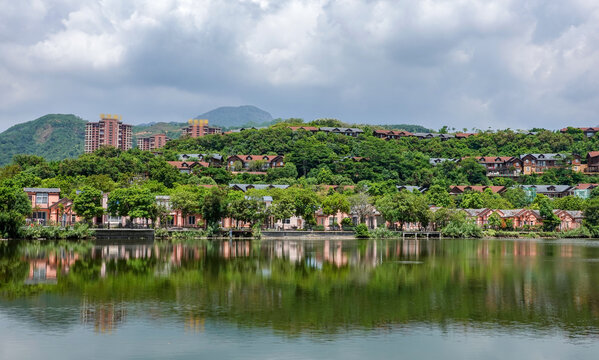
199	127
152	142
109	131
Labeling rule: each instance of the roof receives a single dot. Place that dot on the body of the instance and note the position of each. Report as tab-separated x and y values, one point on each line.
548	189
474	212
435	161
546	156
393	132
341	129
44	190
586	186
256	157
493	159
411	188
246	187
593	153
197	156
465	134
187	164
478	188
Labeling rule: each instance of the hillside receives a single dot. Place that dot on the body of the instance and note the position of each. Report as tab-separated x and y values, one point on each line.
171	129
53	136
230	116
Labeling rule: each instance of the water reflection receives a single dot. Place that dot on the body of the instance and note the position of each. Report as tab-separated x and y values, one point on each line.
307	286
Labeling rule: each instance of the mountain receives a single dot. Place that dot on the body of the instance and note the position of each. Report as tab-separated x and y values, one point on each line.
230	116
172	129
53	136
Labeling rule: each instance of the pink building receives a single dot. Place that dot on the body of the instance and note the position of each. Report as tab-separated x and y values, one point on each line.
109	131
152	142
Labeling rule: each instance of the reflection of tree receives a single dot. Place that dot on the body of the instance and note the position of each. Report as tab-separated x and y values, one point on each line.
299	286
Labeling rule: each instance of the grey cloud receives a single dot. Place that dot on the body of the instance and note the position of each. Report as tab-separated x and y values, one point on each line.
463	63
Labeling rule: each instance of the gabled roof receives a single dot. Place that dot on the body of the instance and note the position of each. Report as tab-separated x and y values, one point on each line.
411	188
435	161
551	156
246	187
494	159
478	188
548	189
593	154
255	157
341	129
187	164
42	190
197	156
586	186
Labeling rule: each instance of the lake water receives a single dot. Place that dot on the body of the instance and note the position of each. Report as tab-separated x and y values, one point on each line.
445	299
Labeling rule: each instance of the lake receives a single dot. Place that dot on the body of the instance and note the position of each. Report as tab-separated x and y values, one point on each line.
310	299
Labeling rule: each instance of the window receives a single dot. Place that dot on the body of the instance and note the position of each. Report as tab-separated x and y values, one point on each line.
41	198
286	221
39	217
191	220
331	221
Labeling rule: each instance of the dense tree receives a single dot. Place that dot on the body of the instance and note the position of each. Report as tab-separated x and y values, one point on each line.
88	203
14	207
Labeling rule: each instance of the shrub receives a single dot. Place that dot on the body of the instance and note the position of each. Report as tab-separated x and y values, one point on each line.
361	231
161	233
382	233
458	229
318	228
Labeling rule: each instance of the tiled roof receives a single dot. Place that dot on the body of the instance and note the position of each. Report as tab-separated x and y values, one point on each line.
593	153
256	157
479	188
244	187
46	190
549	189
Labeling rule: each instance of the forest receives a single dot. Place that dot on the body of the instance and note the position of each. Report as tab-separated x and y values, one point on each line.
311	160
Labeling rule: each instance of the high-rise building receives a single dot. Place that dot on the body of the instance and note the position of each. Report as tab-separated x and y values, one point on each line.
109	131
199	127
152	142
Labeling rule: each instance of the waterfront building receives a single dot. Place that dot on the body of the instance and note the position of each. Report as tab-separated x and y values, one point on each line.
199	127
109	131
152	142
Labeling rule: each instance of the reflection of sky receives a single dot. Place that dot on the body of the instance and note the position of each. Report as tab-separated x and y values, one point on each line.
140	338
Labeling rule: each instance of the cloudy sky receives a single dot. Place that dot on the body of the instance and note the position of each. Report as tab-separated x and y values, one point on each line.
462	63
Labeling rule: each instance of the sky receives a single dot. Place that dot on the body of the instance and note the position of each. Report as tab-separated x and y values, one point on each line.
463	63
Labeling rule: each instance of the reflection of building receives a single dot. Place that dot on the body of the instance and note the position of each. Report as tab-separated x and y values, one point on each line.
44	268
105	317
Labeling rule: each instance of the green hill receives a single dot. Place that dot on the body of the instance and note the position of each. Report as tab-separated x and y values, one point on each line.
231	116
53	136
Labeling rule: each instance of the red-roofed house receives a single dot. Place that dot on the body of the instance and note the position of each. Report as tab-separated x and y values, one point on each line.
391	134
592	162
464	135
588	131
501	165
